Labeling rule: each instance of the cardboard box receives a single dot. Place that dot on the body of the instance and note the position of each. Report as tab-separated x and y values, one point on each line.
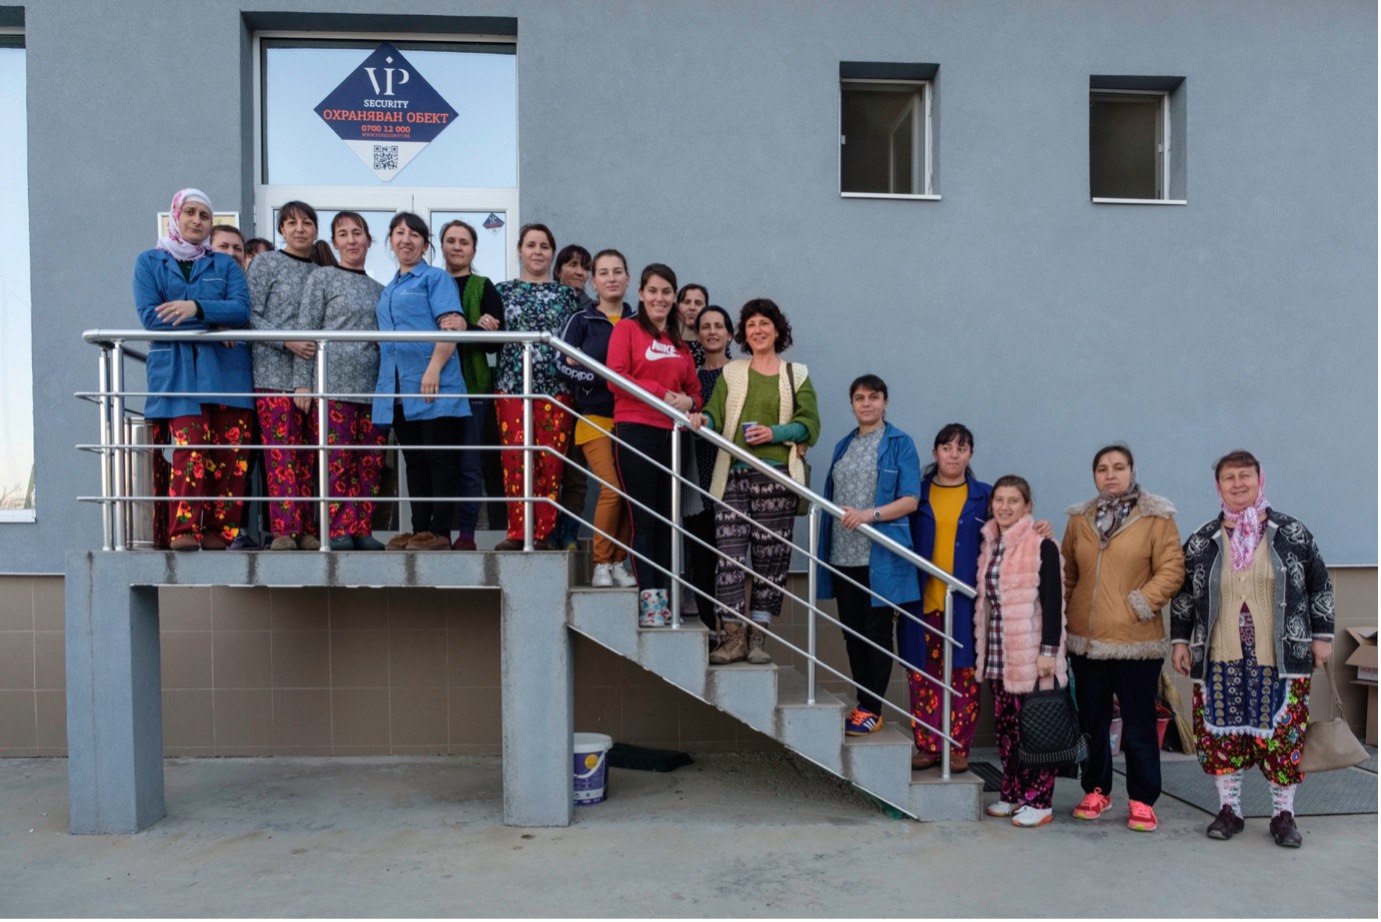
1371	712
1364	657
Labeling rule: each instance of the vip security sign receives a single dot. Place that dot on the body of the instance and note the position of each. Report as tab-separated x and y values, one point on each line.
386	112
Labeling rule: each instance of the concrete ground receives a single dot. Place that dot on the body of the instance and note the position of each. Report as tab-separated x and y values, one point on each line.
733	835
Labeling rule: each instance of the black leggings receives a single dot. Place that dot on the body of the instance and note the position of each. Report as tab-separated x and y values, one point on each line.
701	561
871	668
432	471
650	487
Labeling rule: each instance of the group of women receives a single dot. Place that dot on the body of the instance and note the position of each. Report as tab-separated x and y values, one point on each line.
1087	609
434	397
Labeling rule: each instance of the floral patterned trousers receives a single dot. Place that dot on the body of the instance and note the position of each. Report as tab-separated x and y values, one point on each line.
551	426
926	696
198	473
1277	755
355	474
290	471
1020	786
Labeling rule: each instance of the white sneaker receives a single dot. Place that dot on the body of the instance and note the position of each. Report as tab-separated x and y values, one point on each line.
622	578
604	576
1029	817
1000	808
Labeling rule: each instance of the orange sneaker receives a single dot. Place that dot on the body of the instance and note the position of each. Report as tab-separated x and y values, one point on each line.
1092	806
1140	816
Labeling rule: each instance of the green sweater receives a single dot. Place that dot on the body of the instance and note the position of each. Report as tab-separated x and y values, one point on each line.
763	405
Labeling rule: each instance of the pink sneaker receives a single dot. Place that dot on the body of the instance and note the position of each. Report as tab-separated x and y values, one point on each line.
1092	806
1140	816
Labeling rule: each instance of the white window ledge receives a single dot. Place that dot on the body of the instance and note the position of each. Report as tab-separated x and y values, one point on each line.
1140	201
18	515
916	198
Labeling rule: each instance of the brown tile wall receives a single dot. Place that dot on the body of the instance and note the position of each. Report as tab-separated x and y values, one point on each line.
387	671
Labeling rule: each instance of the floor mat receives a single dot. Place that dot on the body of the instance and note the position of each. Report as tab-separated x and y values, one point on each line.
1349	790
991	775
1370	764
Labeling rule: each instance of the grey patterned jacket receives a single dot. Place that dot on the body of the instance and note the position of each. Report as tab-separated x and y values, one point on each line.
276	281
1303	594
338	299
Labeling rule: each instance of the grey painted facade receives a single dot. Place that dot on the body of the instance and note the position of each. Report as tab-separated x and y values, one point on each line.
706	135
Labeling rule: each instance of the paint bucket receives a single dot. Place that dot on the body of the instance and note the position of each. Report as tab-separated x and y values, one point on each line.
591	765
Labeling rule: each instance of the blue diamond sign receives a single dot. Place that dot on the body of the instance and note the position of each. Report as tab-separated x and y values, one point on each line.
386	112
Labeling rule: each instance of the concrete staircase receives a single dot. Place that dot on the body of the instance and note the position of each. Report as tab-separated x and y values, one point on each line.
772	700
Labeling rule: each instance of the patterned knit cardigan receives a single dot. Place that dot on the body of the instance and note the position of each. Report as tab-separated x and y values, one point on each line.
1018	581
736	380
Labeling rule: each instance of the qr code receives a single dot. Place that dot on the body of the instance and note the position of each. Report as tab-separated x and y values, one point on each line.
385	156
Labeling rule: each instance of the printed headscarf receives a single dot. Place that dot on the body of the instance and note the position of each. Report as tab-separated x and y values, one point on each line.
172	242
1247	526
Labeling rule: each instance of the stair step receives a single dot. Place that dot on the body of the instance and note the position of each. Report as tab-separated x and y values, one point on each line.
607	616
880	763
816	731
678	655
956	799
746	692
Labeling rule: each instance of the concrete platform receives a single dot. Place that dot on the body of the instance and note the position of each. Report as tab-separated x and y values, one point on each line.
733	835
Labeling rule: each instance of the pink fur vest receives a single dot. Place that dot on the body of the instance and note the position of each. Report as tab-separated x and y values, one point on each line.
1018	581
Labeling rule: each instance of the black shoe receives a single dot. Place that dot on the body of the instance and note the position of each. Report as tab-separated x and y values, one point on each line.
1227	825
1284	830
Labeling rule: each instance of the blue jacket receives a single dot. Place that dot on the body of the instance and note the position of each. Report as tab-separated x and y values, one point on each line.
589	331
414	302
218	285
966	542
899	474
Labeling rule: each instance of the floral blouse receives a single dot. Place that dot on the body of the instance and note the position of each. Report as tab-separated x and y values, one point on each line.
533	307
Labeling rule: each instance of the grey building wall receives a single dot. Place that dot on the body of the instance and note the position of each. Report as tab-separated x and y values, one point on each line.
705	135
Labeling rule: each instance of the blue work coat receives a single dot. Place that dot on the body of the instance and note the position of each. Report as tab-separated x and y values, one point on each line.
217	284
899	474
414	301
910	642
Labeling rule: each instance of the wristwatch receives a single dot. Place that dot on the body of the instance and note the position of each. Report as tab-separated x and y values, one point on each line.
877	516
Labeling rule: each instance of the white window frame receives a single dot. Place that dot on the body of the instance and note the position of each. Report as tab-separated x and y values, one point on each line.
374	198
1164	144
27	516
922	138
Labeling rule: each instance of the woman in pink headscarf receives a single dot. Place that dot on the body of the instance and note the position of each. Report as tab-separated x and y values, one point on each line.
1252	622
181	284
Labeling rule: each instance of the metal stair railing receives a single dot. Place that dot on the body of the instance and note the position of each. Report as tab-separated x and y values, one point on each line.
111	397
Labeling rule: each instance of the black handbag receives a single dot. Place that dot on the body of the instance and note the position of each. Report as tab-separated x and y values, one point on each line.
1050	736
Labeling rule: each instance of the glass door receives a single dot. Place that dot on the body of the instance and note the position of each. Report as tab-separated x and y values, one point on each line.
494	257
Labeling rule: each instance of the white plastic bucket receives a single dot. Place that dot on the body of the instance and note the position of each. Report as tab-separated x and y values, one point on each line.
591	766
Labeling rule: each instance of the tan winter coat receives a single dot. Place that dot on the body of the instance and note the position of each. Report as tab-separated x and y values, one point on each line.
1114	595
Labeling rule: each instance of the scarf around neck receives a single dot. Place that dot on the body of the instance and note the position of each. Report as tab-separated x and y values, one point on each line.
1113	509
173	242
1246	526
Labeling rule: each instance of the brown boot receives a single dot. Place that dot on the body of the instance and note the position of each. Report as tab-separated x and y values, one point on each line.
733	648
757	653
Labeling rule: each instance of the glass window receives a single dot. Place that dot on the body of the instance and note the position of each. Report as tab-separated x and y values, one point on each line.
1126	145
884	137
491	241
478	147
16	385
379	264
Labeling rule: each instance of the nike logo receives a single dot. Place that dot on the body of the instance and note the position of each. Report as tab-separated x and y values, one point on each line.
657	351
